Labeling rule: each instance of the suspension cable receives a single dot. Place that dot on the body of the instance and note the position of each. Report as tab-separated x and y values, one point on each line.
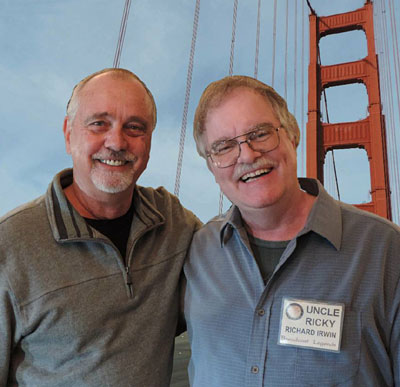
388	92
257	40
235	6
273	46
395	48
311	8
187	97
385	82
295	60
231	58
302	89
389	89
396	65
121	36
286	47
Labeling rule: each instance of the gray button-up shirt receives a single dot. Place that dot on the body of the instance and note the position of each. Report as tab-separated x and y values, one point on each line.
342	256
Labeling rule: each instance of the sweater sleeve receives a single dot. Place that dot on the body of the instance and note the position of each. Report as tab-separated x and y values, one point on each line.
7	328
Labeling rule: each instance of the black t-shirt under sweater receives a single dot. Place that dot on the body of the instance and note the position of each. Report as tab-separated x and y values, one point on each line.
117	230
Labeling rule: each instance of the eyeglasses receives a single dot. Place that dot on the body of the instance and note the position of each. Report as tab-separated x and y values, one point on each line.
226	153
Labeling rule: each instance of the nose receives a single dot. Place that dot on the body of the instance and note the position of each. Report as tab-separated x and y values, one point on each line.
247	154
115	140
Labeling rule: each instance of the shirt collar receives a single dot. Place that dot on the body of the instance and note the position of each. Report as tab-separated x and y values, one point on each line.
324	219
231	220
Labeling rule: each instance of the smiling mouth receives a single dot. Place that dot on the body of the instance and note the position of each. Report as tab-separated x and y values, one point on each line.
113	163
248	177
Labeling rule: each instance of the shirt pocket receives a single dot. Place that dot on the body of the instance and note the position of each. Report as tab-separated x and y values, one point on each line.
323	368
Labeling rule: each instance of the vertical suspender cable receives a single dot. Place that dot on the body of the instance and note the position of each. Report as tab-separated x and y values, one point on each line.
396	64
257	40
385	82
393	159
235	6
387	71
273	46
286	47
384	77
302	90
187	97
295	60
122	31
231	59
395	49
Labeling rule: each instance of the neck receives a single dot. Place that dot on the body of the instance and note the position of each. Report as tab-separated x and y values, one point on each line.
282	221
103	206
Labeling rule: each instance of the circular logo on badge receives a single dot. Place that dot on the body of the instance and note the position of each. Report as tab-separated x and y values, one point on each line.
294	311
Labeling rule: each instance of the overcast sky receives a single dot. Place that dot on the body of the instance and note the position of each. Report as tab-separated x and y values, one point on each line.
49	45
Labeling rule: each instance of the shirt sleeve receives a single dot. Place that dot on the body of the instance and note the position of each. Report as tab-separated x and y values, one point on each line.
395	339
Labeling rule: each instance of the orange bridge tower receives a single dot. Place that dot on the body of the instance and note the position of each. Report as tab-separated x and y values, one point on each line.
368	133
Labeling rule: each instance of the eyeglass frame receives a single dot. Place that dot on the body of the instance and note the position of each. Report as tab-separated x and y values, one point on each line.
248	141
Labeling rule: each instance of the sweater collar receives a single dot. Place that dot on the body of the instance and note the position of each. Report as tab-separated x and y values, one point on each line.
67	224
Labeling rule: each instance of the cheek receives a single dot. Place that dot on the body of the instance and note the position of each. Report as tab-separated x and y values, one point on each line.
84	145
222	176
140	146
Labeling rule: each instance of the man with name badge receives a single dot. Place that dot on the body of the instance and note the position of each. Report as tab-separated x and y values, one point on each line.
289	287
89	272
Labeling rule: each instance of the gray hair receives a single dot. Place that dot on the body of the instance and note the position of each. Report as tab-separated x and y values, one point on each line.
215	93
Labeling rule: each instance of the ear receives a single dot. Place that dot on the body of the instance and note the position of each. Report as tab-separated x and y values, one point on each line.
210	165
293	141
67	134
291	138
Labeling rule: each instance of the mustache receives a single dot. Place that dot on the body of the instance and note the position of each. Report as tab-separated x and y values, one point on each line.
260	163
115	155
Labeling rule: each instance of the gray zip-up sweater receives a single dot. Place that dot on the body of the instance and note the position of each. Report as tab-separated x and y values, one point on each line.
71	313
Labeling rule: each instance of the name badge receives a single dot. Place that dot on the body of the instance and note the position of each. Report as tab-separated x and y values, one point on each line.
311	324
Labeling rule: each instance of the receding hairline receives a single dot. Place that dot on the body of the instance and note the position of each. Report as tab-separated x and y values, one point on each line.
116	73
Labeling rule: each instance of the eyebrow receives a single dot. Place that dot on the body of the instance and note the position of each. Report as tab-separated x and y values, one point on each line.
97	116
251	129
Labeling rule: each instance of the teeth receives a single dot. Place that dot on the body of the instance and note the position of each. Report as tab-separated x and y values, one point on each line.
252	175
114	163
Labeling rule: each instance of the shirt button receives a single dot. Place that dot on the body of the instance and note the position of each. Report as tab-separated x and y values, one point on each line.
261	312
254	370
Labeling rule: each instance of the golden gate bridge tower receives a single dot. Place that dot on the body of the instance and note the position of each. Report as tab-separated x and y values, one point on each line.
368	133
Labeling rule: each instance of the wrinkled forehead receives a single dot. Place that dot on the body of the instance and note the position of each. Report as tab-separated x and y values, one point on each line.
115	90
243	101
223	96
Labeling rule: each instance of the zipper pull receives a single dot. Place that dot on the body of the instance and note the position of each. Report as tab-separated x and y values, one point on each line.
129	281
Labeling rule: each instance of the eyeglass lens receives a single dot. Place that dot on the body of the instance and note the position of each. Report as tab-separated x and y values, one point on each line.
226	153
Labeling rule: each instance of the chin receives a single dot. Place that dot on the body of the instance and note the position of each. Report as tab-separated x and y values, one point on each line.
111	189
112	183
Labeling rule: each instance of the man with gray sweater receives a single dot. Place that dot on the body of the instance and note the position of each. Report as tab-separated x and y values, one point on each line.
89	272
